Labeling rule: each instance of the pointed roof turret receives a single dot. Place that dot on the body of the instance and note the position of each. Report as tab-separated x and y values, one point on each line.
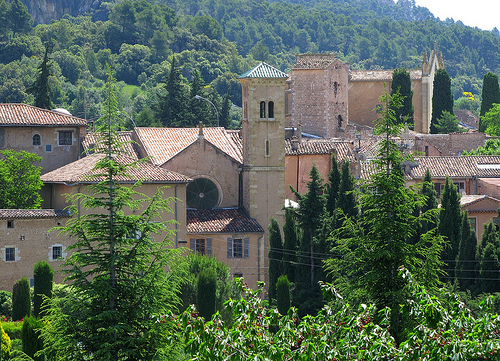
264	70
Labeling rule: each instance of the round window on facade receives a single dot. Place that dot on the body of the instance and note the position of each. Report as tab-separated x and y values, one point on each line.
202	193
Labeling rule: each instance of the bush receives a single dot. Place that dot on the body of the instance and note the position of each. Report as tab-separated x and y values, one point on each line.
32	342
5	345
43	276
6	304
13	329
21	299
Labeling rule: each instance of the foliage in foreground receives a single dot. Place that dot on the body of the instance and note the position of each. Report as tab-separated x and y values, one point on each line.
440	330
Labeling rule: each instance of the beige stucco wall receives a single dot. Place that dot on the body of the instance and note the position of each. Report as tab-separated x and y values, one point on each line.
21	138
298	168
251	268
202	159
35	247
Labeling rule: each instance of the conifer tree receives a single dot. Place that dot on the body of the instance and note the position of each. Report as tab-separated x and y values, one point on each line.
430	203
43	276
198	108
41	87
490	95
289	245
225	120
347	199
5	345
489	272
332	188
19	18
370	258
466	263
283	294
117	268
21	300
31	338
442	99
275	256
205	293
449	227
401	82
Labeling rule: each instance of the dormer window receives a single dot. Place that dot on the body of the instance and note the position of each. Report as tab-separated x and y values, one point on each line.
37	140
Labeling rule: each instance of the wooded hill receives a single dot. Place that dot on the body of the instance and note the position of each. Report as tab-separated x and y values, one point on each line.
222	39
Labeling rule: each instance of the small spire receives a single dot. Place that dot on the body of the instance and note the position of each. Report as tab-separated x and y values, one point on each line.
200	127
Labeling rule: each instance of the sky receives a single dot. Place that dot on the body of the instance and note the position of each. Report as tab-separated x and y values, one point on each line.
481	13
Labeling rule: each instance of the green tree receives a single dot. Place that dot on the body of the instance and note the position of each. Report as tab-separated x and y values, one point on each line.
116	267
347	199
491	121
4	19
442	99
19	18
21	299
378	244
275	256
198	108
447	123
31	339
449	218
205	295
490	95
430	203
225	116
283	294
401	83
43	276
41	89
489	272
19	180
5	345
332	188
466	261
491	147
290	245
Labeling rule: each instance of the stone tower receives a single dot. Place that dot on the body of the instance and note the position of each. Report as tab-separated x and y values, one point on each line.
263	130
319	94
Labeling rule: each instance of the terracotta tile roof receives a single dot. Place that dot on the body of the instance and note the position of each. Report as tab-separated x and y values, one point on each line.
220	221
321	146
264	70
469	199
380	75
82	171
125	137
32	213
459	166
162	144
27	115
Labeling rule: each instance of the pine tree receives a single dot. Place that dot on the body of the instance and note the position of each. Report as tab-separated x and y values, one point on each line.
275	256
442	99
289	245
449	221
43	276
401	82
467	255
490	95
21	300
41	87
283	294
19	18
205	293
116	267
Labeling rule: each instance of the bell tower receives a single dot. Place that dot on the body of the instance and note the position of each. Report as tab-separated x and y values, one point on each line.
263	130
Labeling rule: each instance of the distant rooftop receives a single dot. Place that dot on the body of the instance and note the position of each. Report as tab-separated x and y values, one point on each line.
26	115
221	220
264	70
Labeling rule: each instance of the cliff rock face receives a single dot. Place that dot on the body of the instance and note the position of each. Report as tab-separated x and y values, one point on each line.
43	11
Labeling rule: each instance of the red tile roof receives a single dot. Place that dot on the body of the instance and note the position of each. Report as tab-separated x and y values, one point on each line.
32	213
162	144
380	75
220	221
125	138
321	146
82	171
467	200
27	115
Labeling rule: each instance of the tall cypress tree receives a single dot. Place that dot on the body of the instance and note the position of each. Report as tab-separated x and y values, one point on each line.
205	295
490	95
41	87
332	188
430	203
450	221
442	99
347	199
43	276
275	256
21	299
224	119
401	82
289	245
466	263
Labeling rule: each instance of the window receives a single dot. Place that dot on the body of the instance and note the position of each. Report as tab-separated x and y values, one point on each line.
262	109
460	186
10	254
48	147
37	140
65	137
238	248
56	252
267	151
201	245
271	109
202	193
10	224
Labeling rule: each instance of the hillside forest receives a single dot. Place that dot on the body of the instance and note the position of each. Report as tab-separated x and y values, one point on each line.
199	47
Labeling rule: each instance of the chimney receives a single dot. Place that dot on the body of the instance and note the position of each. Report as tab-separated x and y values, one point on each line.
295	143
